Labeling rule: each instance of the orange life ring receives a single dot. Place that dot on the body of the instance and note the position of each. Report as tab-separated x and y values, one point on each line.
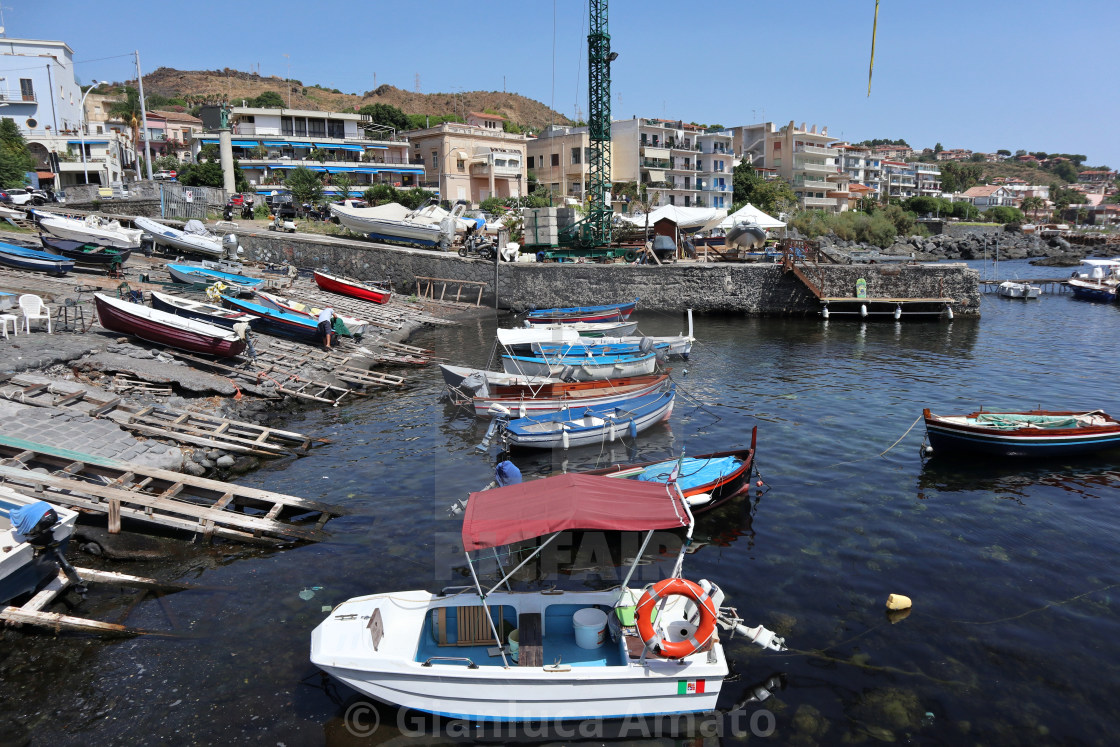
670	587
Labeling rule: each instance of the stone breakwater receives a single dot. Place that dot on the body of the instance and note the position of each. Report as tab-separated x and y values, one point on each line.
755	289
980	243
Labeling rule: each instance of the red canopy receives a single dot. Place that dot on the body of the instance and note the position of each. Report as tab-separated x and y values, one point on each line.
572	501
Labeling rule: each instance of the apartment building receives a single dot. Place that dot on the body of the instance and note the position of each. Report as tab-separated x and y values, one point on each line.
804	158
473	161
862	166
749	142
1099	176
172	133
558	159
954	154
683	163
270	142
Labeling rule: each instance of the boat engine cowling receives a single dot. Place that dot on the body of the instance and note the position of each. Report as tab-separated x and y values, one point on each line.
35	522
230	246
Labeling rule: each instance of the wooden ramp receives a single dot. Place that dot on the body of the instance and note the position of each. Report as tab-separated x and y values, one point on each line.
210	508
184	426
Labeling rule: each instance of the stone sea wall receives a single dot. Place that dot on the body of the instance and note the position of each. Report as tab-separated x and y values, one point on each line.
747	288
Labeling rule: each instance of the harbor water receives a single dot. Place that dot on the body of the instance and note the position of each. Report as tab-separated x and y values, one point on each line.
1010	566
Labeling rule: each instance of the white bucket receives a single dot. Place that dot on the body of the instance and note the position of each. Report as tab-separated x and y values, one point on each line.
590	625
514	644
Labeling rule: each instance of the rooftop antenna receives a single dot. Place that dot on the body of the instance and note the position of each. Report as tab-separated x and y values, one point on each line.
2	24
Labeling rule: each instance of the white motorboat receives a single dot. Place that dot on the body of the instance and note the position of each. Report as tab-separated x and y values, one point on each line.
589	329
32	539
394	223
502	655
193	239
1013	289
90	230
478	380
527	339
583	367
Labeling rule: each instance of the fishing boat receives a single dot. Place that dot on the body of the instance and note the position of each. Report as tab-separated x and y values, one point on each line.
349	287
1013	289
495	654
588	329
193	239
204	312
90	230
522	400
273	322
605	313
534	341
582	367
34	536
587	425
22	258
393	222
471	379
163	328
356	327
203	275
1035	433
84	253
707	480
1097	281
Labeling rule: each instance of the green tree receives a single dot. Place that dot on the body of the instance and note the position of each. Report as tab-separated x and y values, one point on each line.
1032	205
977	158
209	174
128	110
386	115
305	185
15	158
267	100
414	198
772	197
957	177
937	148
964	210
1003	214
1003	152
344	182
166	163
209	152
1063	197
1065	170
380	194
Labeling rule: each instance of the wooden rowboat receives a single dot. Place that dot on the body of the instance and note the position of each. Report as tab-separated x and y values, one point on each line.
85	253
23	258
605	313
204	312
356	327
349	287
585	426
522	400
162	328
1035	433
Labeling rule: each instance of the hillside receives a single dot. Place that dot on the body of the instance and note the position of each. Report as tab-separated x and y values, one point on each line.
235	85
1030	174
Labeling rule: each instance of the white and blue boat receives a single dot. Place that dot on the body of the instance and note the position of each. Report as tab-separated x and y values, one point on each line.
22	258
274	322
593	424
203	275
31	531
605	313
203	312
1097	281
581	367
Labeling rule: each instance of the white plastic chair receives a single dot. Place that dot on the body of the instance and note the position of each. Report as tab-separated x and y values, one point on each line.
34	308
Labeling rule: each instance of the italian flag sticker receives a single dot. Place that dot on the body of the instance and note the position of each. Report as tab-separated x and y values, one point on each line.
690	687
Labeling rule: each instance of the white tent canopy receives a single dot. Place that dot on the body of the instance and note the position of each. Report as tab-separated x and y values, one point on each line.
750	214
686	218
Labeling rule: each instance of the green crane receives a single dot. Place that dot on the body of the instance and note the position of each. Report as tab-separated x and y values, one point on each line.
597	227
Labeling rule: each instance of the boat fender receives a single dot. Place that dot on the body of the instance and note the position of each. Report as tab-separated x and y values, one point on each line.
633	429
564	439
497	409
898	602
611	434
521	411
648	604
699	499
863	311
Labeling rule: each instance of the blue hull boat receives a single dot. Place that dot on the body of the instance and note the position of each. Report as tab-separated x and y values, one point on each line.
592	425
1037	433
23	258
605	313
199	275
273	322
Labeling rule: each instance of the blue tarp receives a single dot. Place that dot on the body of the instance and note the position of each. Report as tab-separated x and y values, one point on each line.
693	471
88	142
245	143
276	143
25	518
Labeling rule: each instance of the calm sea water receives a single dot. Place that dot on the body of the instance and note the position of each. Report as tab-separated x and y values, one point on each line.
1011	567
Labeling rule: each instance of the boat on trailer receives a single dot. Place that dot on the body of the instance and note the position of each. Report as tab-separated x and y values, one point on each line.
1035	433
495	654
163	328
22	258
615	312
345	286
34	536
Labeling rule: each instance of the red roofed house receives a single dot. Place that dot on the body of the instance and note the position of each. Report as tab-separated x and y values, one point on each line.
486	121
1096	177
990	195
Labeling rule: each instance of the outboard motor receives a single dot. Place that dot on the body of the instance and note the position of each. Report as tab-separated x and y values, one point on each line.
231	247
36	522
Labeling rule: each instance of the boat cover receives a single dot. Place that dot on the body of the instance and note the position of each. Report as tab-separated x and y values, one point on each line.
1014	420
26	518
693	471
524	511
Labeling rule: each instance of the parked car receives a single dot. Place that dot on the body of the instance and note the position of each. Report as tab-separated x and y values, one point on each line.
4	198
165	175
19	196
282	206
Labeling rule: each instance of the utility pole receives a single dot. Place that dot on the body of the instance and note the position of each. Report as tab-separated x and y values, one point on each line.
144	117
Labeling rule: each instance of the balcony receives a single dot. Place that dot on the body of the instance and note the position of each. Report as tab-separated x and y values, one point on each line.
815	168
483	169
724	188
655	163
820	202
811	184
10	97
814	150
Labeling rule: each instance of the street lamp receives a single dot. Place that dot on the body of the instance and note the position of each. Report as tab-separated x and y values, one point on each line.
82	107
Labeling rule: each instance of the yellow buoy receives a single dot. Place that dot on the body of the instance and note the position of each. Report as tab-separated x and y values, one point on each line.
898	602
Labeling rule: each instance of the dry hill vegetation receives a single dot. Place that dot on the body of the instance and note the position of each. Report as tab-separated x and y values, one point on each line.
234	85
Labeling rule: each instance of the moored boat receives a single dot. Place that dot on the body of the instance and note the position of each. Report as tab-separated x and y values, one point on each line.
1013	289
33	534
163	328
273	322
22	258
204	312
595	425
1034	433
603	313
582	367
579	654
203	275
85	253
193	239
349	287
354	326
1097	281
523	400
91	229
587	329
471	379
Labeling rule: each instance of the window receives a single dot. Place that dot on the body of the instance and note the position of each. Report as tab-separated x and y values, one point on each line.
27	89
555	159
461	165
336	129
575	156
686	201
301	127
286	126
99	130
530	162
435	158
672	200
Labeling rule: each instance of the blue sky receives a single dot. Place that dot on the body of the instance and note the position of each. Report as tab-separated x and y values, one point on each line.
981	75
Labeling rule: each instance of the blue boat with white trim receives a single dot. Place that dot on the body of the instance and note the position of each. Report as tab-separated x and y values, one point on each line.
22	258
1036	433
273	322
202	275
591	425
605	313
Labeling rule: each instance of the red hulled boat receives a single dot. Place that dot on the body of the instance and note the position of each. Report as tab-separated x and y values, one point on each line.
167	329
350	287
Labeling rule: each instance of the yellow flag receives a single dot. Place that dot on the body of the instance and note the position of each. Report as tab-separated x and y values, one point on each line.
874	28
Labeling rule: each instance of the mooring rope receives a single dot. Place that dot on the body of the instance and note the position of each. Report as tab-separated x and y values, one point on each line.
884	451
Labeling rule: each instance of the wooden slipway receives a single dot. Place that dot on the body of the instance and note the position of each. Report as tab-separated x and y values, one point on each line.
210	508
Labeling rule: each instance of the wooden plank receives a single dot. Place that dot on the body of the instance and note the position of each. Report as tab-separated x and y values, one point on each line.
107	406
530	646
69	398
57	621
114	516
57	585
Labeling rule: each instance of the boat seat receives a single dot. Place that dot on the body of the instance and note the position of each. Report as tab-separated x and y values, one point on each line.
473	627
530	645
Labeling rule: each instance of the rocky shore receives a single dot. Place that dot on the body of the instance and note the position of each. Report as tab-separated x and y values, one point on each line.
1056	252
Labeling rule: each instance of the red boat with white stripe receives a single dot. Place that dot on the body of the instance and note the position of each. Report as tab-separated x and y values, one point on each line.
349	287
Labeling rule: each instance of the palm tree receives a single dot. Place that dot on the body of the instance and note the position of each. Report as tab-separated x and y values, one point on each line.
130	112
1032	205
